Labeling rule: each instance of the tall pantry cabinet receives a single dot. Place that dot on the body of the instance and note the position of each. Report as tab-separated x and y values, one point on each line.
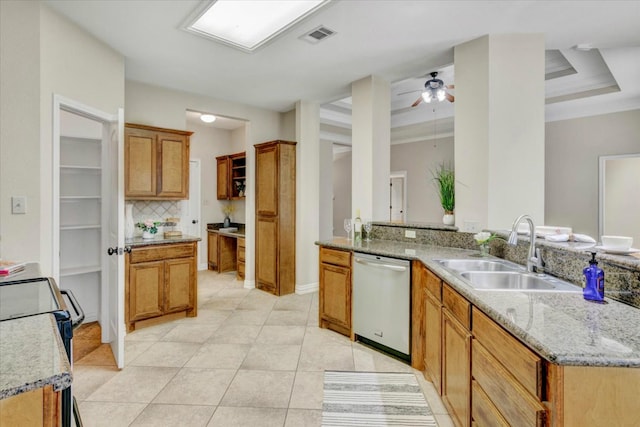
276	217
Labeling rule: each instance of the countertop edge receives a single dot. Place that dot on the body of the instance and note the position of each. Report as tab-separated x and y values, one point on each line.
139	241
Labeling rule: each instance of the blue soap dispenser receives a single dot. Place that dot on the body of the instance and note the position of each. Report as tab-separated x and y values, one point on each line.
594	281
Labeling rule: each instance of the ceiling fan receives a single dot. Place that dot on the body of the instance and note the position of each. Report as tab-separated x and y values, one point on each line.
434	90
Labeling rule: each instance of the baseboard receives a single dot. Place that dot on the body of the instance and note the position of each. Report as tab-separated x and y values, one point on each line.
308	288
249	284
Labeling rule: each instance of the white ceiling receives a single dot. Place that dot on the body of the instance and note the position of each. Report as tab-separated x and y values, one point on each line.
400	41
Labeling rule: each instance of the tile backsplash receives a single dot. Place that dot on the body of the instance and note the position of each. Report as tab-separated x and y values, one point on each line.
156	211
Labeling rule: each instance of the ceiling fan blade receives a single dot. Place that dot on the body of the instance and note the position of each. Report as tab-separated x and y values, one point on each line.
450	86
450	97
418	101
408	91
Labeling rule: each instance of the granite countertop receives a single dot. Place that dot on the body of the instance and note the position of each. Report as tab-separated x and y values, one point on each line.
32	356
561	327
160	240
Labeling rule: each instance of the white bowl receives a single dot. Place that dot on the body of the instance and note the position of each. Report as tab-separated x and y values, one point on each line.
622	243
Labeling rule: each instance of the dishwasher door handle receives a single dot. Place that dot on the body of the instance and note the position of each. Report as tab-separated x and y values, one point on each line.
379	265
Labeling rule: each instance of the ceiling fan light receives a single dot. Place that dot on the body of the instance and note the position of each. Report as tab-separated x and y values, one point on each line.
208	118
427	96
441	95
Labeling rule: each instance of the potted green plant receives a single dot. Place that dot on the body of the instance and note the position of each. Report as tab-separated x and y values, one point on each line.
445	181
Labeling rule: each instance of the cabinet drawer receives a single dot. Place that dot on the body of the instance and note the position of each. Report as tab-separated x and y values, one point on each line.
513	401
160	252
521	362
456	304
433	285
483	412
336	257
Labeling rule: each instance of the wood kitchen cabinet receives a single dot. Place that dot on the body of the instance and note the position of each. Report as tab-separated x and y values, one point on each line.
231	176
456	356
156	163
433	328
212	250
35	408
222	252
240	251
160	280
335	290
275	217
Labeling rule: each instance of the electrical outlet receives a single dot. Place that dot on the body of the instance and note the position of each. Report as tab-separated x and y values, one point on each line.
411	234
472	226
18	205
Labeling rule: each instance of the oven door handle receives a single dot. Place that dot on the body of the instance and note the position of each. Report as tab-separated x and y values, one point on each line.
76	308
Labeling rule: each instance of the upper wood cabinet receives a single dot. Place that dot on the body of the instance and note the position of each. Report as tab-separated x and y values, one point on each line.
156	163
231	176
276	216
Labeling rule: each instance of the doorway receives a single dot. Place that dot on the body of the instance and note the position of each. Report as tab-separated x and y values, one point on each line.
88	211
191	215
398	197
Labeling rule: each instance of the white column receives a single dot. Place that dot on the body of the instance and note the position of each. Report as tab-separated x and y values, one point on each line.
307	195
499	130
371	136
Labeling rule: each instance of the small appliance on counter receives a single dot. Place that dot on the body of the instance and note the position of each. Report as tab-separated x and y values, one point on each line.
27	294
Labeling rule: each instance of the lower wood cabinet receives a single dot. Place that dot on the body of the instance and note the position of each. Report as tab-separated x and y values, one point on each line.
456	368
222	252
160	280
335	290
39	407
240	252
433	332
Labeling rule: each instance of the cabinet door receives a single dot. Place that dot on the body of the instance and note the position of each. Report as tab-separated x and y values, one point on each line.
146	282
173	179
212	250
267	178
140	165
335	296
267	254
456	369
433	340
222	178
179	276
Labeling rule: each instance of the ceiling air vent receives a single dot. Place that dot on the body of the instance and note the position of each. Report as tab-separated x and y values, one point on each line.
317	34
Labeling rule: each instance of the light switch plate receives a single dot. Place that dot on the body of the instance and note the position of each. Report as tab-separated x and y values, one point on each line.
411	234
19	205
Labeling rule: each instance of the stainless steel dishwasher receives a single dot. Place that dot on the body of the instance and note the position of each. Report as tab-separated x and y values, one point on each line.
381	303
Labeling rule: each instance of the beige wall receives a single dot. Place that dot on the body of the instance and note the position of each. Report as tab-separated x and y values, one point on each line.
418	159
19	138
571	162
43	54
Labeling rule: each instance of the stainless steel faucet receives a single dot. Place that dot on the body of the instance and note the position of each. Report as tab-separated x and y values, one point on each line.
534	260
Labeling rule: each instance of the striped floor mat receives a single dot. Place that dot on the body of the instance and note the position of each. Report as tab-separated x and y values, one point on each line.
374	399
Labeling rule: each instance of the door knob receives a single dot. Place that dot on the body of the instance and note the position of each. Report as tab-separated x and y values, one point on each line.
194	221
111	251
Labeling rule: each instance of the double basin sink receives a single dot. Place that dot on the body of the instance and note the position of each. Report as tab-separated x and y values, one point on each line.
502	275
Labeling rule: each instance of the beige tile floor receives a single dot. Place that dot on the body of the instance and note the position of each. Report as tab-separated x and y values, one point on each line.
248	359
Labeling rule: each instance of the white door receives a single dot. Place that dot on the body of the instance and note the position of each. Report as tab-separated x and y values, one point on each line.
191	208
397	199
116	239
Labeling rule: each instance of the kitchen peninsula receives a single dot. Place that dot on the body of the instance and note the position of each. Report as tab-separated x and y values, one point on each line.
546	349
161	281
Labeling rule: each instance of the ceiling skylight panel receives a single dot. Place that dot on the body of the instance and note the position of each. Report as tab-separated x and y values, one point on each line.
248	24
